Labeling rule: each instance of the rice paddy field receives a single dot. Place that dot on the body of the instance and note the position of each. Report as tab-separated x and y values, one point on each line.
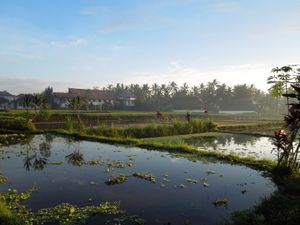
112	173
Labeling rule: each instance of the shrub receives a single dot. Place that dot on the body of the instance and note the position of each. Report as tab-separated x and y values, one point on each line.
16	124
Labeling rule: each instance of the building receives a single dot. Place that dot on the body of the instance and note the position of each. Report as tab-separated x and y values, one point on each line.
6	100
96	99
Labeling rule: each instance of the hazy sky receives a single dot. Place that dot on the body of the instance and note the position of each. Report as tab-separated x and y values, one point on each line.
87	43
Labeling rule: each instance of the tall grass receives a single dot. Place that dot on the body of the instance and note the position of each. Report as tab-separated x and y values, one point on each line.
175	128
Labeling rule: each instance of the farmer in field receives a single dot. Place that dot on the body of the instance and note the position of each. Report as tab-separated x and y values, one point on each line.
188	116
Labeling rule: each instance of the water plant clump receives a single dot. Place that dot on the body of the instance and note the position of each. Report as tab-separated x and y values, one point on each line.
220	202
9	139
145	176
3	179
192	181
122	178
205	184
209	171
93	163
116	164
67	214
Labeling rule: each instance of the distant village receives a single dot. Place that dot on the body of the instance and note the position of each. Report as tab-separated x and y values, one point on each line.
95	99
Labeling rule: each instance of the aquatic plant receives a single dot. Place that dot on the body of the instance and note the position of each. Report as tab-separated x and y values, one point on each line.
115	164
145	176
192	181
181	186
67	214
122	178
205	184
220	202
3	178
93	163
209	171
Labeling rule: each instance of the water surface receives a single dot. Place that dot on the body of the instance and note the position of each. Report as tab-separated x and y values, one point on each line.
241	144
171	200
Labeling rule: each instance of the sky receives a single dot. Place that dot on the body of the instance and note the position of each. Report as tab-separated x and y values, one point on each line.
93	43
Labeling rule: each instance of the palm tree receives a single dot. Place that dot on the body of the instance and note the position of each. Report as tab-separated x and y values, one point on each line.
75	104
27	100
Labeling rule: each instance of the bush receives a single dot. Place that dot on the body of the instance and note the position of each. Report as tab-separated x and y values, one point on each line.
15	124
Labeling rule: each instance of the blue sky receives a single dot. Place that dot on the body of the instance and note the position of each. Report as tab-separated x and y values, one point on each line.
87	43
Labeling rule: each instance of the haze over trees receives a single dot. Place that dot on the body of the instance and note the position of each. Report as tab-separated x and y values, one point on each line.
212	96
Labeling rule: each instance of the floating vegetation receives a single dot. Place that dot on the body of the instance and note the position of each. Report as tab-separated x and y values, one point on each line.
221	175
181	186
63	214
122	178
93	163
220	202
9	139
210	171
205	184
67	214
145	176
130	161
192	181
3	179
12	201
116	164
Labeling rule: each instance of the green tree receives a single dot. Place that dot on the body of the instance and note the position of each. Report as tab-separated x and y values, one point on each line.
282	79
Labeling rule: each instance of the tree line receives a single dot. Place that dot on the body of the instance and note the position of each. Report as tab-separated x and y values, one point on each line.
212	96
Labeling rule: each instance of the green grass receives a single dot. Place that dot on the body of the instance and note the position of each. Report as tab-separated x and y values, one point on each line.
175	128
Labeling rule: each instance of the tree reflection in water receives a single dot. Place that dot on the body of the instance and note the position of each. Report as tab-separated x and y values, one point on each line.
38	158
75	158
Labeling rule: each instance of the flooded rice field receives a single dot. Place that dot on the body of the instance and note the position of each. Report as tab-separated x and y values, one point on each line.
242	144
157	186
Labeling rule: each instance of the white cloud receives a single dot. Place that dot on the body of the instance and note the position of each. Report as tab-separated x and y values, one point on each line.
23	84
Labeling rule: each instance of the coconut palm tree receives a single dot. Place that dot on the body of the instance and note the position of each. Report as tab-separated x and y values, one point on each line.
75	104
27	100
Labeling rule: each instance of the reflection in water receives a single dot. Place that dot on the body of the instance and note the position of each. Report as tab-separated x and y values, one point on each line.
38	158
75	158
241	144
